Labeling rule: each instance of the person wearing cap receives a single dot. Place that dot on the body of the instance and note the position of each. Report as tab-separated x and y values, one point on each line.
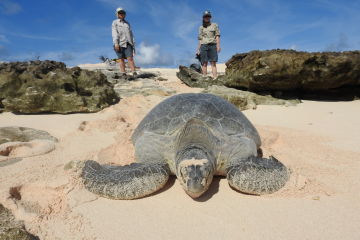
123	40
209	44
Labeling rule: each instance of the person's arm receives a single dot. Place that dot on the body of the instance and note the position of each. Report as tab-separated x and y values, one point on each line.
115	36
217	32
218	48
198	48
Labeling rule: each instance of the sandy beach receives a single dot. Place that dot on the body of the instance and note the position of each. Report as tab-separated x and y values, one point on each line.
318	141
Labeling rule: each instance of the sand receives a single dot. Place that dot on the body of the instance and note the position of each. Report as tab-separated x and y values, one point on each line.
319	141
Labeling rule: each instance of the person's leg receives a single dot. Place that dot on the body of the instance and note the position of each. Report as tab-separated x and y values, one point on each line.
121	58
213	58
204	68
129	54
204	58
131	63
122	65
214	70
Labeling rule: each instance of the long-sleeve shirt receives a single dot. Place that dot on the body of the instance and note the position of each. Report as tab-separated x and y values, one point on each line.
208	35
122	33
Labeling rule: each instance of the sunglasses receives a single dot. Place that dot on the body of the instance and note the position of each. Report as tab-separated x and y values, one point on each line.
122	13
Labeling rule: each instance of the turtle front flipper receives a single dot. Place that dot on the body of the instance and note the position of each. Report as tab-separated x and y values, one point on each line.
257	176
124	182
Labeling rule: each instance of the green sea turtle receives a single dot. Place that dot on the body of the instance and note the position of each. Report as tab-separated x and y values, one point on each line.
192	136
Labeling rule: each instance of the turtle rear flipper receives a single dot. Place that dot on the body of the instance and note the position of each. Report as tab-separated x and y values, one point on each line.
257	175
124	182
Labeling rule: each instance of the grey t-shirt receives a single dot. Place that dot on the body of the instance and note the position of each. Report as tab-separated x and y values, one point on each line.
122	33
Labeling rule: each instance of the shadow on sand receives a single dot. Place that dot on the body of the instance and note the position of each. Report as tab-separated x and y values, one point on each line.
213	189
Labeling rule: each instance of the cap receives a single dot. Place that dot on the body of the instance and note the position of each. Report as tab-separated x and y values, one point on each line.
207	14
120	10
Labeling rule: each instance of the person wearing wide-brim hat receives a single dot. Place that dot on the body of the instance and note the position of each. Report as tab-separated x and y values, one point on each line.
123	40
209	43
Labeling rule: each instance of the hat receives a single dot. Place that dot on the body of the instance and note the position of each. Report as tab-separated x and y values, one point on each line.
118	10
207	14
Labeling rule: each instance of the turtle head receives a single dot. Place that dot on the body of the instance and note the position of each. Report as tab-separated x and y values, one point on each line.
195	176
195	159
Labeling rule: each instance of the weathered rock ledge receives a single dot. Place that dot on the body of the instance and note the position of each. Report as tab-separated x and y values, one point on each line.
48	86
288	73
247	100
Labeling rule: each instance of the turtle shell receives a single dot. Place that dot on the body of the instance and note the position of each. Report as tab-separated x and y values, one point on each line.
173	113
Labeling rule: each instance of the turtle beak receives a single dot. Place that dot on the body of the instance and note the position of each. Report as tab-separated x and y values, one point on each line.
196	187
197	182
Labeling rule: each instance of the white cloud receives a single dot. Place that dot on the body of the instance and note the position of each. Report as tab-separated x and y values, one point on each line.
76	58
31	36
3	38
294	47
71	58
9	7
152	55
181	18
65	57
187	59
341	44
4	52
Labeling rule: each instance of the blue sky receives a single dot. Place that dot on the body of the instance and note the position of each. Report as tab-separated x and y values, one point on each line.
166	30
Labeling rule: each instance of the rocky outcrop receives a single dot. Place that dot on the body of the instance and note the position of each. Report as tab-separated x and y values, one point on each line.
193	78
247	100
142	83
10	229
48	86
145	87
288	74
288	70
115	76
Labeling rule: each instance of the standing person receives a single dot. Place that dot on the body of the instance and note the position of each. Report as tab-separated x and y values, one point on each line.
123	40
209	44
